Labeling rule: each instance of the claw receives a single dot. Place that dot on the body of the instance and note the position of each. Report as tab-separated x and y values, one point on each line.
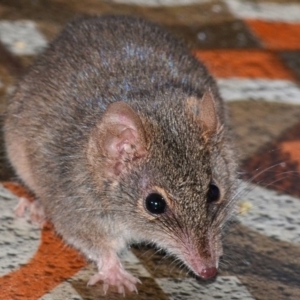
36	212
105	288
121	290
112	273
22	206
94	279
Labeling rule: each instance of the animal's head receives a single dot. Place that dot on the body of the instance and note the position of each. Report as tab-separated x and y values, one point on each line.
170	174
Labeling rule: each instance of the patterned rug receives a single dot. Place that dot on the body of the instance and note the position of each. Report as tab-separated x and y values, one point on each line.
253	49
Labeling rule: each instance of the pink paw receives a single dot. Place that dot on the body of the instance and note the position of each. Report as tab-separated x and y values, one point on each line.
36	211
115	275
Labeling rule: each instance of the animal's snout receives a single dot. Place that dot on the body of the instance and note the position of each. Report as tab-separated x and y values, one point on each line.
207	273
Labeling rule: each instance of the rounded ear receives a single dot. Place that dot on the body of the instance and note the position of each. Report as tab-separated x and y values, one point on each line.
204	112
119	139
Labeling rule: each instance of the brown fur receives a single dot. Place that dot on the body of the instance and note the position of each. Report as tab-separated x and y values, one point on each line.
116	108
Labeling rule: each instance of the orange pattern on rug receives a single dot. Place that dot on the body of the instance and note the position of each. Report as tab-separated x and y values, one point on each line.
53	262
276	35
244	64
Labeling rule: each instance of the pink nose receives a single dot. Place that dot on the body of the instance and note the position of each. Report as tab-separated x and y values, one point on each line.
208	273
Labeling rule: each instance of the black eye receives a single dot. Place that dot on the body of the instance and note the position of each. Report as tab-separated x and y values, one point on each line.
213	193
155	203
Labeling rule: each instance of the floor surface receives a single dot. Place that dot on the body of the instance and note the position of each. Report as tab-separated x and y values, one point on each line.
252	47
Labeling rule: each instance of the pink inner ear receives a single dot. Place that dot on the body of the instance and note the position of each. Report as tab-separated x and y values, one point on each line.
123	135
204	111
119	118
126	140
208	113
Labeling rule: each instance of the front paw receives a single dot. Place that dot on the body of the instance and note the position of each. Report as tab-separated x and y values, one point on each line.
36	211
112	273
